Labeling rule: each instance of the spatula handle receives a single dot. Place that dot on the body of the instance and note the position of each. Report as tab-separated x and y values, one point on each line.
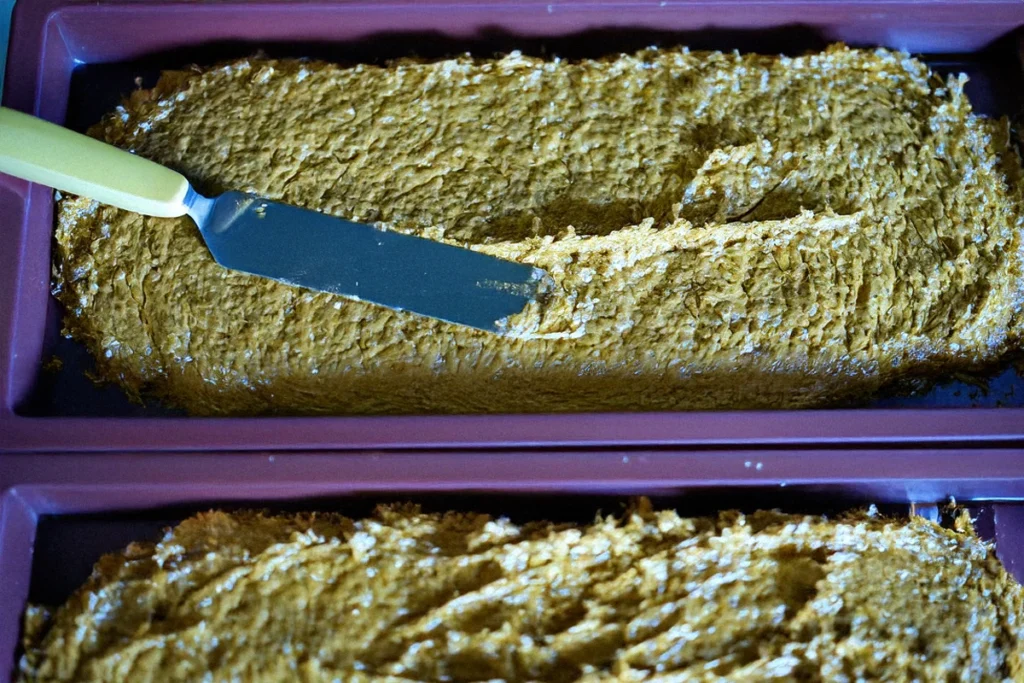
39	151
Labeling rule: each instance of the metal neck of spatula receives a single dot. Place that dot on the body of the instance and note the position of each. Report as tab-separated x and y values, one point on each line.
199	207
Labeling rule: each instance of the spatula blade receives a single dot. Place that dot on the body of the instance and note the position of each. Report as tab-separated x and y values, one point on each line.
309	249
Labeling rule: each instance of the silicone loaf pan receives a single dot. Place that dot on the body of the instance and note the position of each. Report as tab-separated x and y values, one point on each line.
60	513
70	61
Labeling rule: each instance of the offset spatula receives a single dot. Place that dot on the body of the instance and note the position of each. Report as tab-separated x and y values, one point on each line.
292	245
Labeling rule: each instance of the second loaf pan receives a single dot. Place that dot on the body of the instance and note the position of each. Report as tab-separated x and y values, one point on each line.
59	513
70	61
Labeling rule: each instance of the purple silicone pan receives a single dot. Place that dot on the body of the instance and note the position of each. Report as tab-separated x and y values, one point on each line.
60	512
112	41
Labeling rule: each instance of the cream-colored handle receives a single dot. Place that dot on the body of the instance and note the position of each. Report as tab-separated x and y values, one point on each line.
39	151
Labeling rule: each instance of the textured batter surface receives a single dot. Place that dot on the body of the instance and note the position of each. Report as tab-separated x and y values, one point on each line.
725	231
408	597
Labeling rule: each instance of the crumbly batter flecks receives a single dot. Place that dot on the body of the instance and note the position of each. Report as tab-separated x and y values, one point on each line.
406	596
724	231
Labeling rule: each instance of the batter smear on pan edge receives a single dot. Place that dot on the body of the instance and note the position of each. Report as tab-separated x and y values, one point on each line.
724	231
408	597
